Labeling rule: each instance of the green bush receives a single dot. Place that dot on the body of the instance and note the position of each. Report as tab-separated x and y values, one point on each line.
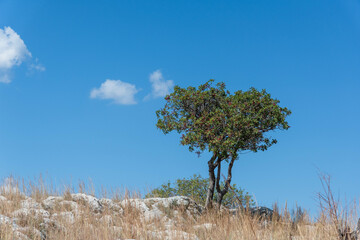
196	188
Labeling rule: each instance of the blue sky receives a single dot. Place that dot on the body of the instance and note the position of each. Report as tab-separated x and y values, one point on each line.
77	99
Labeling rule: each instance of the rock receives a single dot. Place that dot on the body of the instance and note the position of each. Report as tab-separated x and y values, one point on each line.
107	220
111	205
168	223
4	220
50	202
262	212
69	206
36	213
206	226
92	202
55	213
157	208
51	224
20	236
29	203
117	230
33	232
145	207
64	216
171	235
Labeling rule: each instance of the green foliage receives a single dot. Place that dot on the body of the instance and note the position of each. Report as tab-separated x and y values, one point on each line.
196	188
211	118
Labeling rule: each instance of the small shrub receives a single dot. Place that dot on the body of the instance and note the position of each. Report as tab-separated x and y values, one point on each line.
196	188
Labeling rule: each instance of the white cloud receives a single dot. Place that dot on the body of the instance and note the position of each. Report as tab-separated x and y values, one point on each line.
4	77
37	66
13	52
119	91
160	87
12	48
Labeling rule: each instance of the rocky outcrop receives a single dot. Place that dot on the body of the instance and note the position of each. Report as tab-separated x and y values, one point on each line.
57	212
158	208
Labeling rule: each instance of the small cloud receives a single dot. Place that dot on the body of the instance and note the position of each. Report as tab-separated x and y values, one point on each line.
160	87
37	66
12	48
118	91
4	77
13	52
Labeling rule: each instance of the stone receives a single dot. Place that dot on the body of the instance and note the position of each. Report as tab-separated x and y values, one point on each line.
171	234
206	226
107	220
111	205
69	206
56	212
157	208
92	202
4	220
36	213
20	236
262	212
64	216
35	234
50	202
29	203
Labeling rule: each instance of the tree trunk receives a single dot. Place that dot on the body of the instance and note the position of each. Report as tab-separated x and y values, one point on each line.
219	192
222	192
210	192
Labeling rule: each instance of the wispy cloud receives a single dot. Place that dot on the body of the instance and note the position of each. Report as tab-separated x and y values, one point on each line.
118	91
160	86
4	77
37	66
13	52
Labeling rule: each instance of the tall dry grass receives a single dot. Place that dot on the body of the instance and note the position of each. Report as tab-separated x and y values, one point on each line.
331	223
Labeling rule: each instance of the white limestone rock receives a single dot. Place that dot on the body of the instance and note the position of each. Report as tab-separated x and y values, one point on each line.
92	202
110	204
5	220
34	233
68	217
107	220
20	236
29	203
50	202
157	208
36	213
51	223
69	206
171	235
206	226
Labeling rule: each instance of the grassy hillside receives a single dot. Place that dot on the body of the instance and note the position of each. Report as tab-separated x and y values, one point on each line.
32	211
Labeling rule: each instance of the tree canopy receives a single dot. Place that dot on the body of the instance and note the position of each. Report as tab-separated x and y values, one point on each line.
211	118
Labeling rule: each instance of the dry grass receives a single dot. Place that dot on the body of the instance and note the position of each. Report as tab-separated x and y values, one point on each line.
112	224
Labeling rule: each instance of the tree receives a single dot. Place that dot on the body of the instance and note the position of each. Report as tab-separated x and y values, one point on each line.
196	188
210	118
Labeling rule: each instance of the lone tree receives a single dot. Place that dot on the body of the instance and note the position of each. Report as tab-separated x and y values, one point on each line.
210	118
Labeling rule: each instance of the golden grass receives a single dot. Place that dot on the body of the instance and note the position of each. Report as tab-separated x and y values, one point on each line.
113	225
